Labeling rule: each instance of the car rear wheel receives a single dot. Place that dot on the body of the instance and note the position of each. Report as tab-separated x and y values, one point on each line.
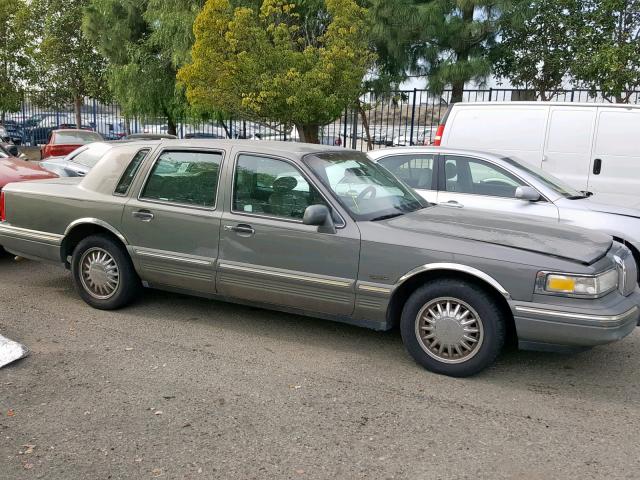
452	327
103	273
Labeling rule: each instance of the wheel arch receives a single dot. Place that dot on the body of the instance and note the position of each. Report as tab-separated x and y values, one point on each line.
634	251
82	228
409	282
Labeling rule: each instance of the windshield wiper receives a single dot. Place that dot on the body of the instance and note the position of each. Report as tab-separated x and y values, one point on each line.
386	217
576	197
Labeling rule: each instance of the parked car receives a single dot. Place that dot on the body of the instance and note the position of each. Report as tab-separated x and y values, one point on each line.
41	133
64	141
478	180
79	162
325	232
11	132
592	147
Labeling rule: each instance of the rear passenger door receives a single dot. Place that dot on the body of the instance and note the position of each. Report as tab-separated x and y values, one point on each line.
172	222
416	170
615	161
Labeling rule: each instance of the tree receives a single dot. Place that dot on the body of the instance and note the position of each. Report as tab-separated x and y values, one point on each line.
537	48
145	41
448	41
608	52
68	66
299	63
14	62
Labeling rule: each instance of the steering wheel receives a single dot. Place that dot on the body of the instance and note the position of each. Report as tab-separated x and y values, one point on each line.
370	190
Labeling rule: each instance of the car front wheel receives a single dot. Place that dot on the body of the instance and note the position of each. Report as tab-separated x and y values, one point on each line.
452	327
103	273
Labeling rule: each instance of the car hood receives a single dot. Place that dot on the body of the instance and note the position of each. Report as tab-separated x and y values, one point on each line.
16	170
589	204
523	233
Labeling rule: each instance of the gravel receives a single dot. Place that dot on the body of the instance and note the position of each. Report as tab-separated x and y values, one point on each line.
181	387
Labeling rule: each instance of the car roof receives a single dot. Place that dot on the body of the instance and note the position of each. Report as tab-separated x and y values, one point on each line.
268	146
384	152
559	104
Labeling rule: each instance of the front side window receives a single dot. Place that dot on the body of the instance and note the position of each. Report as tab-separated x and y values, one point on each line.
364	188
130	172
472	176
267	186
414	170
184	177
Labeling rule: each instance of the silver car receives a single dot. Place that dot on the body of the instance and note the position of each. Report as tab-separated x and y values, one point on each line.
77	163
479	180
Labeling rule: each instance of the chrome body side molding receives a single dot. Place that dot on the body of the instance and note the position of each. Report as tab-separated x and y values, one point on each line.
456	267
95	221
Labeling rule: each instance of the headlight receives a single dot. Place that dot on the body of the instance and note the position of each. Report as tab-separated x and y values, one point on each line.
573	285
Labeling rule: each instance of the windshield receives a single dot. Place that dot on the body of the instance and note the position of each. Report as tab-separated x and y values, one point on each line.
547	179
364	188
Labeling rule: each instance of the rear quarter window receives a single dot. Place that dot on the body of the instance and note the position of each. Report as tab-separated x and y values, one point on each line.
130	173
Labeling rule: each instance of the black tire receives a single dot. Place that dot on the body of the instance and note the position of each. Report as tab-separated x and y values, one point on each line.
490	336
128	286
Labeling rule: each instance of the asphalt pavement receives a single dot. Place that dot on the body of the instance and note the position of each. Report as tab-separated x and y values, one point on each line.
181	387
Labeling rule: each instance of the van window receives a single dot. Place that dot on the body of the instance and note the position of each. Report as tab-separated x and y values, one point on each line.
618	133
500	128
570	131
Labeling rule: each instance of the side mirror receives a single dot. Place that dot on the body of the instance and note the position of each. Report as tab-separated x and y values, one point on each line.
527	193
321	216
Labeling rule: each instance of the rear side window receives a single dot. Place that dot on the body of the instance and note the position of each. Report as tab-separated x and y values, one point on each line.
75	138
130	172
184	177
414	170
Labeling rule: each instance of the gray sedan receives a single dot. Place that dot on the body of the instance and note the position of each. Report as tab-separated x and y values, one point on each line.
479	180
325	232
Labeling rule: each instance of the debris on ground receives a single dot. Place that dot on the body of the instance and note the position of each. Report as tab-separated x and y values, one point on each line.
11	351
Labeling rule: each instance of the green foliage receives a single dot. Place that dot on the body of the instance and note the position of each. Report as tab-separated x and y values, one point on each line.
145	42
67	65
292	62
448	41
537	48
14	61
607	54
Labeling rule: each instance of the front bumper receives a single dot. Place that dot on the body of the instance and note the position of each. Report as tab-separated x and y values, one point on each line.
555	327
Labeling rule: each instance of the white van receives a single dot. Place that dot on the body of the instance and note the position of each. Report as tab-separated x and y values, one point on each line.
593	147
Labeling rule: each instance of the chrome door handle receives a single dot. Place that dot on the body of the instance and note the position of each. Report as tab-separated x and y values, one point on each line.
451	203
241	228
143	215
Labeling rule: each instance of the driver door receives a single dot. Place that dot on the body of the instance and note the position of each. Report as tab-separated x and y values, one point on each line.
468	182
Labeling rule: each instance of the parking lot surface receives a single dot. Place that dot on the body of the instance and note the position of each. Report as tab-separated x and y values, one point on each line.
181	387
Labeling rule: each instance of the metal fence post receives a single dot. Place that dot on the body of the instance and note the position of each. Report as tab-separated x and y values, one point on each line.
573	92
95	114
413	115
490	93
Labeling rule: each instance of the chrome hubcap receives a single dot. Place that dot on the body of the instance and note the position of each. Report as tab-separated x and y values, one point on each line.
449	330
99	273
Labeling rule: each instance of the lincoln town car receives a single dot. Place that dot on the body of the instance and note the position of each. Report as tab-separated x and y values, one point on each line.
325	232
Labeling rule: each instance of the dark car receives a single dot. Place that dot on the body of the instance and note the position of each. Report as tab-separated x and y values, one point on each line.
14	131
